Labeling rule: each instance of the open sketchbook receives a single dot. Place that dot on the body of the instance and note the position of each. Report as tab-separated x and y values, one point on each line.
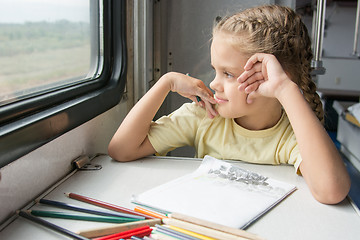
218	192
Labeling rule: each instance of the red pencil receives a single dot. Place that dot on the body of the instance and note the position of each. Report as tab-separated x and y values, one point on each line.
105	205
138	232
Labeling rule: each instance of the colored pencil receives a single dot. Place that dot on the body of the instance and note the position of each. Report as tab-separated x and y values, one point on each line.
51	225
97	232
149	212
85	210
201	230
105	204
218	227
138	232
174	233
148	238
162	236
108	219
190	233
136	238
123	232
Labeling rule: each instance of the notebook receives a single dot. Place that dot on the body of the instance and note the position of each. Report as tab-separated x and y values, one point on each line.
218	192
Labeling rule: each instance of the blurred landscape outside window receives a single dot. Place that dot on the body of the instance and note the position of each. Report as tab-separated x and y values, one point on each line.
44	46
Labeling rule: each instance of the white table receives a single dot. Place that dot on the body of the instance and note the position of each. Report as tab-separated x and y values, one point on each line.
299	216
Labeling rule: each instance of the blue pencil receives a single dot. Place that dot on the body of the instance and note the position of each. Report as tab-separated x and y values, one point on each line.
79	209
136	238
51	225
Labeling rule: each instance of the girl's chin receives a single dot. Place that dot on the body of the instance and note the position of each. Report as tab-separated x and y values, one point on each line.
223	113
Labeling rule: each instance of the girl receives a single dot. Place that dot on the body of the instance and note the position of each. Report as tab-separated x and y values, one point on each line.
265	108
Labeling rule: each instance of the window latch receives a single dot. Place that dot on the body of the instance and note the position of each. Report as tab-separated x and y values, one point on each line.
83	162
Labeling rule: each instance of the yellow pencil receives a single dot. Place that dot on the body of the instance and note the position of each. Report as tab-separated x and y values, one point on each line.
215	226
190	233
203	230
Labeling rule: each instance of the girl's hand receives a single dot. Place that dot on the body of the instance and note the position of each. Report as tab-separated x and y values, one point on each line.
190	87
263	75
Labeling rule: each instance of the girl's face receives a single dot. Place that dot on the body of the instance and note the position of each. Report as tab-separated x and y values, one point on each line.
228	63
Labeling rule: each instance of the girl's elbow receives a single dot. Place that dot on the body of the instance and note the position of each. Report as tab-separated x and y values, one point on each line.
115	152
333	195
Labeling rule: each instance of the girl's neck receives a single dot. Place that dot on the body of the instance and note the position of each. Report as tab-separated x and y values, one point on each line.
261	121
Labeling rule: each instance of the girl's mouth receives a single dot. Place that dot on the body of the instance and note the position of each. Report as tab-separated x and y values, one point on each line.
219	100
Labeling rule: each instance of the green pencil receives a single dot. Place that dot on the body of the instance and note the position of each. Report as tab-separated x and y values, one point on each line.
63	215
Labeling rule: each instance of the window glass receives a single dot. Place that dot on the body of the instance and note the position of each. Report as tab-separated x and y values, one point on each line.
46	45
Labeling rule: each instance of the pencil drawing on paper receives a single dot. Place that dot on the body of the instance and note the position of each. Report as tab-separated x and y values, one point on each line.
238	174
229	175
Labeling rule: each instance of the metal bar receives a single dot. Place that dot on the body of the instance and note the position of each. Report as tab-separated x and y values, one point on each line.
356	34
320	16
318	39
143	46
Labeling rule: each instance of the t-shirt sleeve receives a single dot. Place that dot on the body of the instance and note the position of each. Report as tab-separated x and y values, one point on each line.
295	157
177	129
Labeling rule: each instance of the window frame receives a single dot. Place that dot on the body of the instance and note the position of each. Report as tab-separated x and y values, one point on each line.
31	123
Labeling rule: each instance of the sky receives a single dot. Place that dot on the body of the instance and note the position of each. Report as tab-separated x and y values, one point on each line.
20	11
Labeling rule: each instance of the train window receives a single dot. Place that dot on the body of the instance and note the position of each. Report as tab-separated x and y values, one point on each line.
62	63
45	45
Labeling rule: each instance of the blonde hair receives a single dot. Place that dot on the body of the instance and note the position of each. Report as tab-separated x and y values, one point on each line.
276	30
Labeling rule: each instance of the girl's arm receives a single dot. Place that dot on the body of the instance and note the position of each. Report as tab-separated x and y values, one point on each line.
130	141
322	167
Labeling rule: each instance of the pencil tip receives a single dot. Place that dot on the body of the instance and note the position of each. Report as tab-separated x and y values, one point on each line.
67	194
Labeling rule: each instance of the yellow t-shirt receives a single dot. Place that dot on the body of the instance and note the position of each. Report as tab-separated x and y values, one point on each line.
223	138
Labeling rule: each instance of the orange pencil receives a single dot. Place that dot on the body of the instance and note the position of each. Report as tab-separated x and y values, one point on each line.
149	213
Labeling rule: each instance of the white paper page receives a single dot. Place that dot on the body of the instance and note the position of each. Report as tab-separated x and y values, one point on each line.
218	192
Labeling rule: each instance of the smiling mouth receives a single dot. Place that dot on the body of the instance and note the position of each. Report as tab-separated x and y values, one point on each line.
219	100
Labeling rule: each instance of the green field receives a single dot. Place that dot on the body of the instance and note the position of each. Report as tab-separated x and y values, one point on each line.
33	54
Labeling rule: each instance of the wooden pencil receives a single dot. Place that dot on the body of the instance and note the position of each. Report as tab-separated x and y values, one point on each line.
85	210
149	212
191	233
215	226
94	218
202	230
173	233
140	231
105	205
97	232
50	225
161	236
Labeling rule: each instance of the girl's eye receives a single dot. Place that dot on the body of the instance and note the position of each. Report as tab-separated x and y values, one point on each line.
228	75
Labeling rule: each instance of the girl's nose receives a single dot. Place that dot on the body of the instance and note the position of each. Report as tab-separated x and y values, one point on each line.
215	85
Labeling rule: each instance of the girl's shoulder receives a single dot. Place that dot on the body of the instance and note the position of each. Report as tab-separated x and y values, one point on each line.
191	109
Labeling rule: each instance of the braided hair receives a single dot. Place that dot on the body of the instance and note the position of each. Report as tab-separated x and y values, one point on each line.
276	30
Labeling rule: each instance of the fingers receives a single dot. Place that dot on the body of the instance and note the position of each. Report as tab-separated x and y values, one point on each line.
256	68
210	108
208	105
256	58
253	76
253	87
251	83
203	97
250	97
